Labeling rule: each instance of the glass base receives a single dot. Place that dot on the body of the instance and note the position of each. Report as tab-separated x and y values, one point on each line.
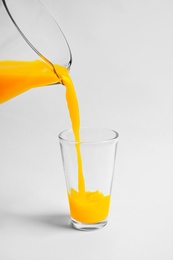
88	227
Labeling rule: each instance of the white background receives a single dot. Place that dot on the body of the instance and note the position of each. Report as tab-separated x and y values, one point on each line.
122	70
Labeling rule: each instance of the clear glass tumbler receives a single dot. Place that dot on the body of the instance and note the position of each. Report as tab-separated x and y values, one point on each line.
89	169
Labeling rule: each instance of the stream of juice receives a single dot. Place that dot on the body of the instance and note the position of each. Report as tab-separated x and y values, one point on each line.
17	77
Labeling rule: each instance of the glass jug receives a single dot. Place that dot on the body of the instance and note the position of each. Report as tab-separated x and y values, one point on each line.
33	49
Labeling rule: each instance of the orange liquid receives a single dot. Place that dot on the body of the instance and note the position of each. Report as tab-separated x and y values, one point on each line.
93	207
17	77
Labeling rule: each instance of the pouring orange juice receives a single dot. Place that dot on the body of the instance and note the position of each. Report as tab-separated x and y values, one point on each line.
17	77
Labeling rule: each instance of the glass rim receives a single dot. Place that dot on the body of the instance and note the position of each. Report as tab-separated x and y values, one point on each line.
115	137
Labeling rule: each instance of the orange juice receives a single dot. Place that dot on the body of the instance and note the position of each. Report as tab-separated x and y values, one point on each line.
17	77
91	208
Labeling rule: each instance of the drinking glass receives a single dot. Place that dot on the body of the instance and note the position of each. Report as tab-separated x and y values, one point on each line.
89	207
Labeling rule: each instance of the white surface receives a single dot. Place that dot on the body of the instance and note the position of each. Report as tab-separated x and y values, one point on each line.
126	48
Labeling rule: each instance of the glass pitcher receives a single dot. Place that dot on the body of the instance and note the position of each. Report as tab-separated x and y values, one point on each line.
33	48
